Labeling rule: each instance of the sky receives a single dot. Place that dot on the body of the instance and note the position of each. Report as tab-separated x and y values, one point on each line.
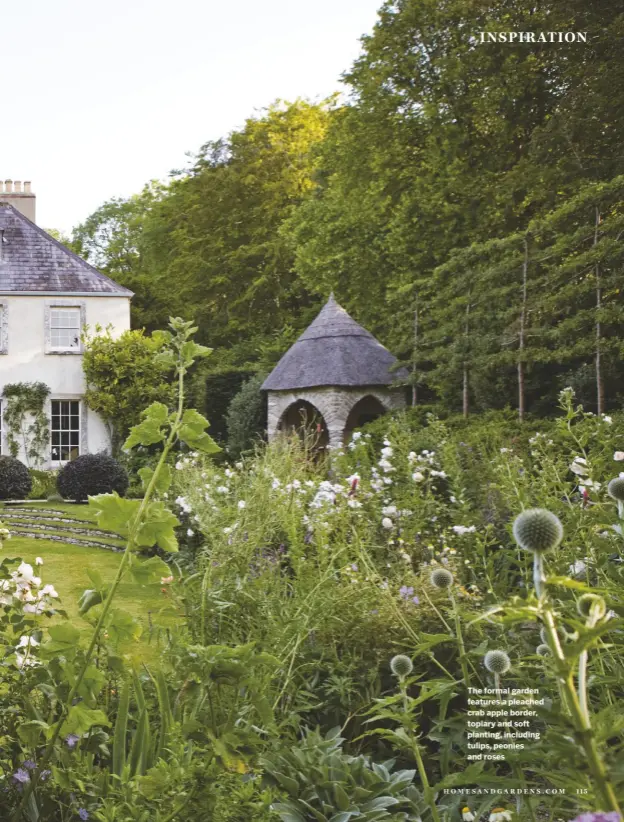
99	98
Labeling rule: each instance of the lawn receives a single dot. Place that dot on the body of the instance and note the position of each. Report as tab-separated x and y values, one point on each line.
66	566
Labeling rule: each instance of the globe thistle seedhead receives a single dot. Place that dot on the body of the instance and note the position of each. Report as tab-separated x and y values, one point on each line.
441	578
542	650
589	602
615	489
497	662
401	666
537	530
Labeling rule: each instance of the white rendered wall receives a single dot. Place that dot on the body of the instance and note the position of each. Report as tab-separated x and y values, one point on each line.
26	359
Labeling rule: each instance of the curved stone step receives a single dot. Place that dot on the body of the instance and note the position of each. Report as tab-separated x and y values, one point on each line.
39	513
23	515
24	522
18	532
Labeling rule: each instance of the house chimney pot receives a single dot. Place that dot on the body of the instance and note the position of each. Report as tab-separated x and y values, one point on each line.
21	198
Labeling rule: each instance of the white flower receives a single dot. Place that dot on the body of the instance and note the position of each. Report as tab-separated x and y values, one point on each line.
48	591
190	532
356	435
439	474
179	466
503	451
228	472
417	476
275	484
405	556
500	815
353	503
38	561
385	465
27	642
579	466
387	523
464	529
222	489
618	456
25	661
607	419
467	816
239	465
387	452
388	510
242	504
577	568
26	573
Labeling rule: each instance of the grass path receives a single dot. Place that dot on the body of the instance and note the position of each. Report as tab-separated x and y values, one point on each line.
66	566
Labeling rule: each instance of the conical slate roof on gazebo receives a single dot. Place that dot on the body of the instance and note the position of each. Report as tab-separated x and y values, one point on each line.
334	351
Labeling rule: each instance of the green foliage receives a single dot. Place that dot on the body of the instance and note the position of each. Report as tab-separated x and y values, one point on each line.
43	484
25	421
15	479
324	783
124	374
91	474
246	417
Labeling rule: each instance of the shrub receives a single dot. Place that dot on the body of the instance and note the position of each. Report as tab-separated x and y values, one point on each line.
246	417
43	484
92	474
15	479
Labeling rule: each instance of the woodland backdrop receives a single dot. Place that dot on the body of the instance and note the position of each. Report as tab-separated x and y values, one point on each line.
464	201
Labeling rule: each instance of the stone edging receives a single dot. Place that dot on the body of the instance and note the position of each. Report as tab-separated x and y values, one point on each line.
68	540
69	528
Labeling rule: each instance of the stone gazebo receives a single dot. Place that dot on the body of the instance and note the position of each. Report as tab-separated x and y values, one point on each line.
336	377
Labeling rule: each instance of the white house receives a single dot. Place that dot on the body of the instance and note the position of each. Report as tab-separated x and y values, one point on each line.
47	296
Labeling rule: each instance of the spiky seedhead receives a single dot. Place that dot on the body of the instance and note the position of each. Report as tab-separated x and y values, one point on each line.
537	530
542	650
401	666
497	662
591	603
615	489
441	578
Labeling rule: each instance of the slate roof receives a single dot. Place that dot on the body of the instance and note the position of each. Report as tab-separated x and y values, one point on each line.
334	351
32	261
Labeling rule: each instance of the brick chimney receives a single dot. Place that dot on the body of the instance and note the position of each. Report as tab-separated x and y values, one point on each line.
20	196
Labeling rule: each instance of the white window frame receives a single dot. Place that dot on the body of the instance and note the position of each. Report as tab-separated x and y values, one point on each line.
4	326
57	461
60	305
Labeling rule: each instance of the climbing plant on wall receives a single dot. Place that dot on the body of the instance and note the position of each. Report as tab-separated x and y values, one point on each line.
25	420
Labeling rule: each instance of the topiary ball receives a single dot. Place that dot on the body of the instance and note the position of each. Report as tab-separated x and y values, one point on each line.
497	662
401	666
15	479
441	578
589	602
91	474
615	489
537	530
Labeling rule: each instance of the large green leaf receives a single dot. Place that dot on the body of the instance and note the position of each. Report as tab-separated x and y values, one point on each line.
81	719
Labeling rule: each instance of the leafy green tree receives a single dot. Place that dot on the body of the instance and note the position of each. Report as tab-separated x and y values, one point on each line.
124	374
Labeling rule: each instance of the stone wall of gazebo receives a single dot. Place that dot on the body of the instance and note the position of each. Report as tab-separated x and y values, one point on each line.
334	403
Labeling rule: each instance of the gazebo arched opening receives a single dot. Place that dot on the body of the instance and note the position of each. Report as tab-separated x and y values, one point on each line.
365	410
307	421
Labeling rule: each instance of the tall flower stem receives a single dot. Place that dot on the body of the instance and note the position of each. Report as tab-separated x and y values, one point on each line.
581	719
415	748
460	640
